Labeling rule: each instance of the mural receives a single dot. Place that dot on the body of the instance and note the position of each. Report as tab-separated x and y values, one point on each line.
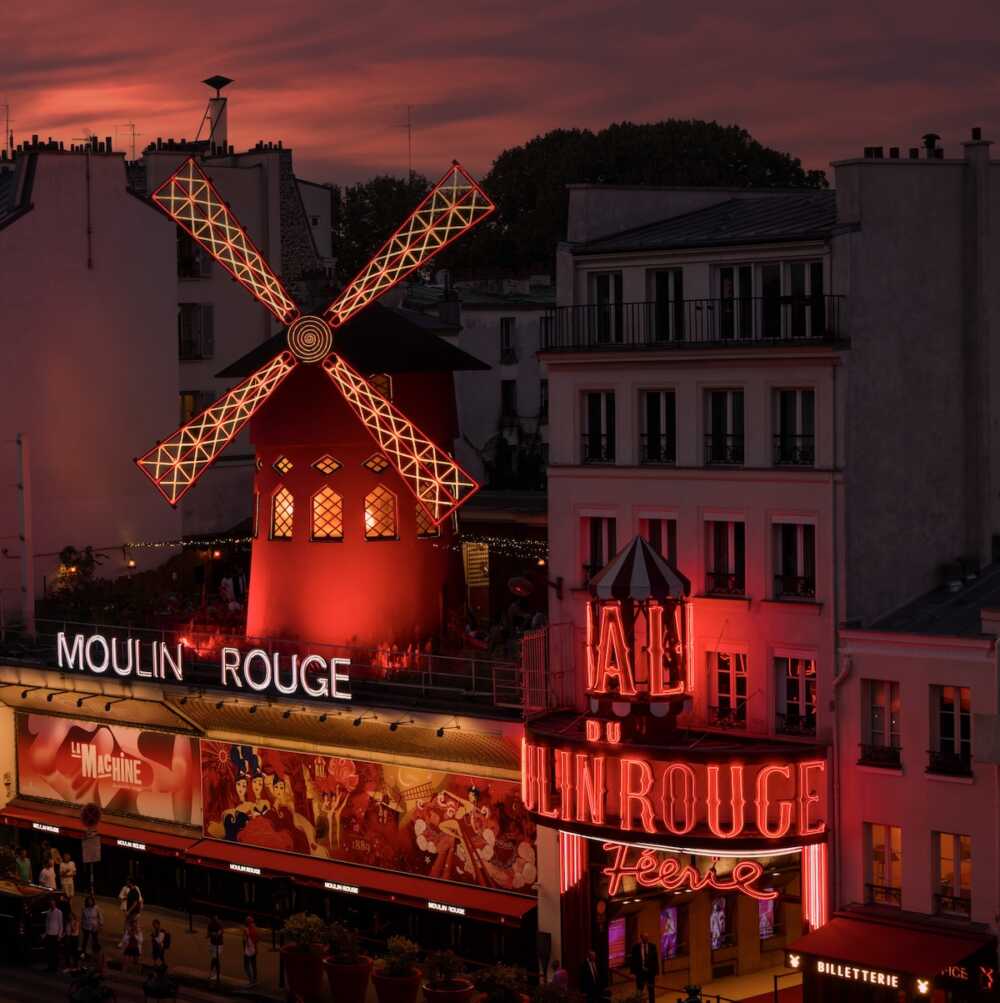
440	825
126	770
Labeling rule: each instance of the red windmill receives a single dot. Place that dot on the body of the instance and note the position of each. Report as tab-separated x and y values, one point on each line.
302	421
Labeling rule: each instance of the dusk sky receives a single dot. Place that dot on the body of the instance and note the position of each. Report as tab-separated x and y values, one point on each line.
333	80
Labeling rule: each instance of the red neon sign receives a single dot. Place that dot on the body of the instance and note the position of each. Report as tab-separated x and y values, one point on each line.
671	875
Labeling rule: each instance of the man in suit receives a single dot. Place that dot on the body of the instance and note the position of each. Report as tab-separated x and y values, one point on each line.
591	983
645	966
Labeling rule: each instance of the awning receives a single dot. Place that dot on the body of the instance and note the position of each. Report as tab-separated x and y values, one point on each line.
406	889
891	945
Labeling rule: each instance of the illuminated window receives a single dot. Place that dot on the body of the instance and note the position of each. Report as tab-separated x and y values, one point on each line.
728	677
884	864
425	528
282	514
380	514
326	464
953	895
327	515
282	464
382	382
476	559
795	686
376	463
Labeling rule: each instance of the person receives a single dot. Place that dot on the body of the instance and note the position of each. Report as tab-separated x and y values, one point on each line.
91	924
250	937
130	898
159	940
22	864
560	977
131	942
67	876
71	940
216	933
591	984
53	932
47	875
645	966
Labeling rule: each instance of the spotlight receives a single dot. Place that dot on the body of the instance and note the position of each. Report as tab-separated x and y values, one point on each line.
183	700
49	696
130	563
322	718
287	714
447	727
394	725
440	733
253	708
357	722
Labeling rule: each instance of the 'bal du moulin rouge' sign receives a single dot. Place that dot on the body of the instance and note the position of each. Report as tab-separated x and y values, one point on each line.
256	670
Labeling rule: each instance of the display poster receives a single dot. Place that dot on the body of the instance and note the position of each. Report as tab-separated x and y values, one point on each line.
449	826
668	933
717	923
765	916
129	771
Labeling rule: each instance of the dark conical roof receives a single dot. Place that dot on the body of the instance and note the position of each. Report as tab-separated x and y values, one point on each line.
639	572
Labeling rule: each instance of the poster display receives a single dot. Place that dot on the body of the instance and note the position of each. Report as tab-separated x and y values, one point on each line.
449	826
130	771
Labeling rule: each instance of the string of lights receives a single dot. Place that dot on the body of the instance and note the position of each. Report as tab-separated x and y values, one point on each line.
218	541
528	549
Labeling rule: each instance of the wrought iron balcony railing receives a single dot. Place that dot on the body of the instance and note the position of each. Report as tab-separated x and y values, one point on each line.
724	583
597	448
657	448
883	895
890	756
954	905
794	587
795	724
728	715
751	321
794	450
950	762
723	449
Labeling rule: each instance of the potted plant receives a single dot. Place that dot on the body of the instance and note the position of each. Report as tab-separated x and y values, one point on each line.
304	940
347	969
444	979
501	984
396	976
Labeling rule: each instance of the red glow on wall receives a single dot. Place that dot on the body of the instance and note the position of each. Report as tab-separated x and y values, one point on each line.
809	797
572	860
815	899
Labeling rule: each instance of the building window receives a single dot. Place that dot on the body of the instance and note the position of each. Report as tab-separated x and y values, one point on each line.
658	416
794	561
380	514
508	340
508	399
326	464
771	301
661	534
382	382
193	261
600	544
376	463
282	465
282	514
543	402
724	427
951	731
795	686
884	864
880	723
795	424
599	426
725	548
953	854
606	297
666	291
327	516
195	331
727	672
736	302
193	402
426	530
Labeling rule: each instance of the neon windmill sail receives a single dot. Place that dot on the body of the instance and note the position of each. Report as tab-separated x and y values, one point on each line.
452	207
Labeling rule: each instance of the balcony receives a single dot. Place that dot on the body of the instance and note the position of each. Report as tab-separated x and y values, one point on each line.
949	763
724	583
723	450
759	321
954	905
883	895
795	724
728	716
597	448
657	449
794	450
794	587
887	756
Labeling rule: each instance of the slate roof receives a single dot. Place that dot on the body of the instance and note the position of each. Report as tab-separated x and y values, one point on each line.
807	215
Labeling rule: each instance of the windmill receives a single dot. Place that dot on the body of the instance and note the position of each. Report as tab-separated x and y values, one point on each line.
453	206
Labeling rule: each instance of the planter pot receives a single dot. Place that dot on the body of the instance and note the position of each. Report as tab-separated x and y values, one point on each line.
348	983
458	991
396	988
304	973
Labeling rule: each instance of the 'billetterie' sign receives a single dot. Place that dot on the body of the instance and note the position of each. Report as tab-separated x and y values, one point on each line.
254	670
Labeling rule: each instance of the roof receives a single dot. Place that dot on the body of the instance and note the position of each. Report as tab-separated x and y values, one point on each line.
951	614
891	945
498	295
380	339
639	572
804	215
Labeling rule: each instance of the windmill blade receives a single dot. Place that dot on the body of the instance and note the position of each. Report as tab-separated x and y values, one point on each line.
190	199
455	204
438	483
176	463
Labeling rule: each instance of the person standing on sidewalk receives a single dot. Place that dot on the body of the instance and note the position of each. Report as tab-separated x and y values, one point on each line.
131	899
47	875
67	876
53	933
160	943
22	864
216	935
91	925
250	938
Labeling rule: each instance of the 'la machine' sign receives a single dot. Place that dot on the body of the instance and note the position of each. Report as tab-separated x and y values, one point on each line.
256	670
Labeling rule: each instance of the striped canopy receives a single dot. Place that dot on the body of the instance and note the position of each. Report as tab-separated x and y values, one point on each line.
639	572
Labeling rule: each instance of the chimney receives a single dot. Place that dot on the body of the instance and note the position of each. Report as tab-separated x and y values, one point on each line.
930	145
218	124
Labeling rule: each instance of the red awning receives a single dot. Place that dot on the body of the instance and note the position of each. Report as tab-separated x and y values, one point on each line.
891	945
29	816
407	889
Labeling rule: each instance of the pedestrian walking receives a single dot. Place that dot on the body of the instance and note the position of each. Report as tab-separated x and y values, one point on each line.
53	933
47	875
91	925
159	940
216	933
67	876
130	898
251	936
22	864
131	943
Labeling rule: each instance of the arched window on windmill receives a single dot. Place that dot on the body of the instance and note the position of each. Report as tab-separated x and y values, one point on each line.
426	530
282	514
327	517
380	514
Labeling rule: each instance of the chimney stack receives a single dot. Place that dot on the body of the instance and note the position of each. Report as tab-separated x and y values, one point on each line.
218	123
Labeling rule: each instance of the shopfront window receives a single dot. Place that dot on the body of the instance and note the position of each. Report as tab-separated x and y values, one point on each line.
953	896
884	877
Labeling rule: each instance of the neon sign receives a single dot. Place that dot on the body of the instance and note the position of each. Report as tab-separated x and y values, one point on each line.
855	973
652	871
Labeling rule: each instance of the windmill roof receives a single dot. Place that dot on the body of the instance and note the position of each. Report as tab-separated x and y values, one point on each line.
380	339
806	215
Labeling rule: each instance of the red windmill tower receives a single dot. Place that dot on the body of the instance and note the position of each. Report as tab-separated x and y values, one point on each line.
346	468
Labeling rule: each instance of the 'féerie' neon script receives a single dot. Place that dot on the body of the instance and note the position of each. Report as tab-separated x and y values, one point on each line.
670	875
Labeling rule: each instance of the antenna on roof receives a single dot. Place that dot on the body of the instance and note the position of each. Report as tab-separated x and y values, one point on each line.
132	134
8	136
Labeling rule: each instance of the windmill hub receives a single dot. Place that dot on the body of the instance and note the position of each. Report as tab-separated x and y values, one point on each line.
310	338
